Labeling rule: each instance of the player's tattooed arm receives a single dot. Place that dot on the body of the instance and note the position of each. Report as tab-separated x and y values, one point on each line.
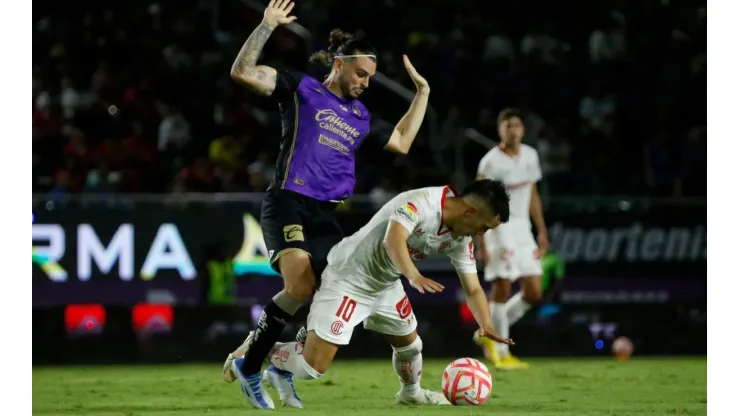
261	79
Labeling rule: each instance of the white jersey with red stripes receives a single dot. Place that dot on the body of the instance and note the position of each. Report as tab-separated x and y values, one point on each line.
511	245
361	262
519	174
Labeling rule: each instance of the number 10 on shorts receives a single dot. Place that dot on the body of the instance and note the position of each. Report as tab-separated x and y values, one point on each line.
346	309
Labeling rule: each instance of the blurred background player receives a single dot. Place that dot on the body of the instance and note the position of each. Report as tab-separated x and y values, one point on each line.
553	273
510	253
323	126
362	284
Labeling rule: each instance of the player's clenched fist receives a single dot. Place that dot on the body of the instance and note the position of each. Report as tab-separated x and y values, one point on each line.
277	12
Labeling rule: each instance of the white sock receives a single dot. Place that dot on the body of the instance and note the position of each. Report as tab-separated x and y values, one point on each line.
288	356
500	319
516	307
407	363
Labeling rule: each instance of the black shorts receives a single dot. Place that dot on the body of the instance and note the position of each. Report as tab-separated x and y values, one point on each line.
292	221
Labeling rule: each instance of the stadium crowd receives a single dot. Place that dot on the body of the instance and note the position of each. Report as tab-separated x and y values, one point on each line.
136	97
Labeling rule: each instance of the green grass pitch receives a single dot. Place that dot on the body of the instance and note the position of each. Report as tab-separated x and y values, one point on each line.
549	387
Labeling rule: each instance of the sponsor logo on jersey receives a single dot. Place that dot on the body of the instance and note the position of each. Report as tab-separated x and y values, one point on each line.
408	210
411	208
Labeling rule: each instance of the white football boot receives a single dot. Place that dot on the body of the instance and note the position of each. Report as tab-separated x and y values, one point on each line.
282	381
422	396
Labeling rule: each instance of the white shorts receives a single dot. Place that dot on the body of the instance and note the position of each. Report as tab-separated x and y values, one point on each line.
518	258
337	310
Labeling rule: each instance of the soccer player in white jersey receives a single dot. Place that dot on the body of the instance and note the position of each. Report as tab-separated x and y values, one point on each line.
510	253
362	284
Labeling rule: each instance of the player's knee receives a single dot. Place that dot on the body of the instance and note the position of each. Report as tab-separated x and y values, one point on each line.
409	351
300	290
532	297
532	290
297	273
501	290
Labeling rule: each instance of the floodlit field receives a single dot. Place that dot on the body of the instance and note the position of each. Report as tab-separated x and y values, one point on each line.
562	387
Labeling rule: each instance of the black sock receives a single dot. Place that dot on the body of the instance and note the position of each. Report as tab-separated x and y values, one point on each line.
269	327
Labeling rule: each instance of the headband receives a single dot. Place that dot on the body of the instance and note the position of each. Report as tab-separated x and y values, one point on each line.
356	56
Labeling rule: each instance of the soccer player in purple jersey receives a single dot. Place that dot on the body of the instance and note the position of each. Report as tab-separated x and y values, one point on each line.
323	125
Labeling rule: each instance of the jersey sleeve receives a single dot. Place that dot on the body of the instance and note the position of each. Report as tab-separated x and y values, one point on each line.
286	83
380	133
463	257
408	213
485	166
537	169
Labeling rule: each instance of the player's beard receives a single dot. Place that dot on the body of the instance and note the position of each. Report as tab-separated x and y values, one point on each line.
345	89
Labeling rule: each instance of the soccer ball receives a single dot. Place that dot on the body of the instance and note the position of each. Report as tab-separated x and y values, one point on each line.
466	381
622	348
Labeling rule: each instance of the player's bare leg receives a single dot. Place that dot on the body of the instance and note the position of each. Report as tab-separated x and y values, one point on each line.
500	293
507	311
530	294
407	361
291	360
295	267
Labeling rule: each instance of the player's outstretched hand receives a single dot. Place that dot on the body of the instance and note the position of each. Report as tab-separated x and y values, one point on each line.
492	334
421	84
277	12
424	285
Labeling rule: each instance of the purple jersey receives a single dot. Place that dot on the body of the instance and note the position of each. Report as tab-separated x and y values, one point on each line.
320	134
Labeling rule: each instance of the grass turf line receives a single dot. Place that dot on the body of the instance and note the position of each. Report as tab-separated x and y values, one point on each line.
549	387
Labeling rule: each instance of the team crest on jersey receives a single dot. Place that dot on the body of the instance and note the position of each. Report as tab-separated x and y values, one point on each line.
356	111
444	247
415	254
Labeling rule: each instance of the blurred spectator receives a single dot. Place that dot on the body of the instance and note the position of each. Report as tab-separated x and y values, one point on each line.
136	97
694	156
383	193
597	108
541	44
554	152
225	151
102	180
174	131
498	46
198	177
608	43
661	171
